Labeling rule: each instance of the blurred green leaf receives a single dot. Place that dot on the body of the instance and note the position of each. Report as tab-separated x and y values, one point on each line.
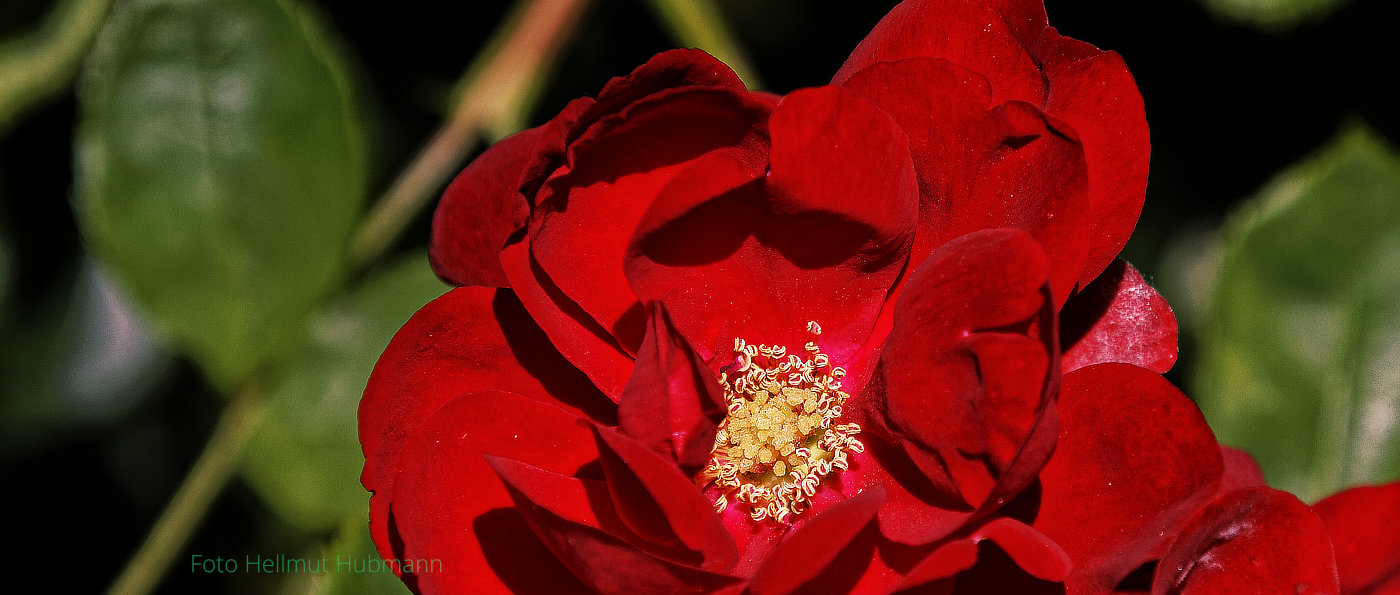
305	458
220	169
348	552
1273	15
79	359
1301	346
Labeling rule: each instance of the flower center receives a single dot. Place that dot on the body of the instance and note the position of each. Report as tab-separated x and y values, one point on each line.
780	436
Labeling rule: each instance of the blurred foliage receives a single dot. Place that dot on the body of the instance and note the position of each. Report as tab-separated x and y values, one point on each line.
1300	345
1273	15
305	458
80	359
693	23
42	64
7	269
221	202
352	542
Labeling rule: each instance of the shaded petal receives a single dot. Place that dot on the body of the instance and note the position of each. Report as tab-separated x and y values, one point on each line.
1022	562
1118	318
672	398
869	563
1032	551
1135	459
1093	92
480	210
967	377
1364	523
916	511
946	561
984	166
735	254
667	70
467	340
449	505
835	151
997	572
575	519
671	69
589	347
998	38
656	500
1258	540
808	551
588	209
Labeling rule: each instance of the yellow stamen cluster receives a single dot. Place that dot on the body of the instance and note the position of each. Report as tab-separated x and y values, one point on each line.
780	436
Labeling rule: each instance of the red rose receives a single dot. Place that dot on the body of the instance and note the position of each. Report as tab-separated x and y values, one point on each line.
997	106
1364	523
712	340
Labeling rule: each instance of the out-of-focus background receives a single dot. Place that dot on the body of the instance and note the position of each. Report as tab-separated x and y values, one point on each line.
180	180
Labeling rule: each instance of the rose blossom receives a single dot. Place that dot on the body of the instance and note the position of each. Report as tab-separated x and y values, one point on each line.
863	337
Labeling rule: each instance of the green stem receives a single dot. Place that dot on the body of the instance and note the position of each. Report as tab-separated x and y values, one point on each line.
43	63
699	24
212	471
497	92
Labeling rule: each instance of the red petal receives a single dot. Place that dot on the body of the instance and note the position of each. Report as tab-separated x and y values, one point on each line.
945	562
588	538
808	551
982	166
1134	460
968	373
996	572
448	504
997	38
464	341
1094	93
668	70
587	211
654	498
1020	563
915	511
671	69
1008	43
1118	318
1364	523
671	398
480	210
1029	552
835	151
1240	472
585	344
821	238
1258	540
1035	553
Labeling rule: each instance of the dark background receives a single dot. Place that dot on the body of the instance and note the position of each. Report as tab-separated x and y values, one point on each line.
1228	106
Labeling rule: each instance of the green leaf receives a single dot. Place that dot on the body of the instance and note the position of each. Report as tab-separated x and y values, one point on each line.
1301	344
305	458
1273	15
220	169
348	571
